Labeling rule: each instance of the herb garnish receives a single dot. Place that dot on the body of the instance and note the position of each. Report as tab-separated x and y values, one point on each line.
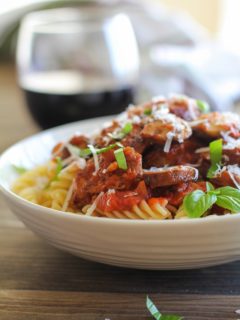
19	169
122	133
198	202
216	148
147	112
157	314
84	153
203	106
121	159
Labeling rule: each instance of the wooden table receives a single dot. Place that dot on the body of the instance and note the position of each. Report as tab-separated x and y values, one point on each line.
40	282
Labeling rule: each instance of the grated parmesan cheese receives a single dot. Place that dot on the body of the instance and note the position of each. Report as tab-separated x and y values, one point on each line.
201	150
95	157
80	163
197	122
92	208
234	170
68	196
234	180
231	142
168	142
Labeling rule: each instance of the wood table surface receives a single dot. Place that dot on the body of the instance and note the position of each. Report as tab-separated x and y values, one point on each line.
39	282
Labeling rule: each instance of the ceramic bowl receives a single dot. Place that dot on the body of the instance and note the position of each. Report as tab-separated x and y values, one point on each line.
170	244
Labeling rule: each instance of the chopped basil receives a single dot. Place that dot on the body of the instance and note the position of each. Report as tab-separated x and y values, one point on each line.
19	169
102	150
203	106
147	112
120	158
127	128
157	314
216	148
59	167
198	202
122	133
84	153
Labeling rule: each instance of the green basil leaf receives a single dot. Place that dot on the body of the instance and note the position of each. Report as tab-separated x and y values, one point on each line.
59	167
209	186
230	203
83	153
102	150
171	317
19	169
153	309
215	156
121	159
147	112
127	128
122	133
197	203
157	314
203	106
229	191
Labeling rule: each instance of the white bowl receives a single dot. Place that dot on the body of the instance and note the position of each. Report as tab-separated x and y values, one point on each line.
170	244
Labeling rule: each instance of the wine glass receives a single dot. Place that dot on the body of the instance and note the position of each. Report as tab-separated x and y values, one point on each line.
75	64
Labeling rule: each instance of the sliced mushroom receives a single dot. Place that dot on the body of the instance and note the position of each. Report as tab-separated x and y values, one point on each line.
179	154
213	124
167	127
159	177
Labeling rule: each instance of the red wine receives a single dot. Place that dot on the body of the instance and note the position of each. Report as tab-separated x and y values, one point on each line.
66	104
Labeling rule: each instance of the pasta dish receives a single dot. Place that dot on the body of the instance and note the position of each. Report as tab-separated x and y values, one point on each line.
169	158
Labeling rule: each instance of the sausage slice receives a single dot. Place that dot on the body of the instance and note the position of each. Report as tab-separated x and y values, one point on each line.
165	127
228	176
211	125
160	177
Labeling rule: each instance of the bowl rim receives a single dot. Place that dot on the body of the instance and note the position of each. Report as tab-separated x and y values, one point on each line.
9	194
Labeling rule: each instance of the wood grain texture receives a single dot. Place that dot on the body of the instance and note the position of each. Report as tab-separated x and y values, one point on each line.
88	305
39	282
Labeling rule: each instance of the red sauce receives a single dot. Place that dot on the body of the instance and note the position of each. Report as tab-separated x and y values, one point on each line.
178	192
122	200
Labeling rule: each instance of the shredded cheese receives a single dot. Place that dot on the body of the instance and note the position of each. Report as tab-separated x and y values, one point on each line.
234	170
95	157
92	208
231	143
191	108
195	123
80	163
234	180
201	150
168	142
68	196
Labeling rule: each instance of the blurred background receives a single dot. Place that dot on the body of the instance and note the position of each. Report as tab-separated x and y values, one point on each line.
62	61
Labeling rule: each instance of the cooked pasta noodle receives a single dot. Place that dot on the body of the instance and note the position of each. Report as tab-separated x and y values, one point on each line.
144	211
180	214
40	187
